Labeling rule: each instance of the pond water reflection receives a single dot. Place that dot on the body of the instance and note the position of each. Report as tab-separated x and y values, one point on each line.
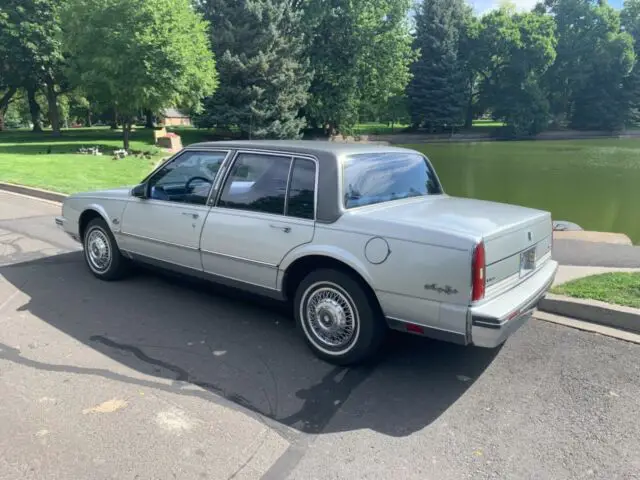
594	183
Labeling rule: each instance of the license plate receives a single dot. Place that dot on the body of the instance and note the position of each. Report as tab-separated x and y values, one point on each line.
527	261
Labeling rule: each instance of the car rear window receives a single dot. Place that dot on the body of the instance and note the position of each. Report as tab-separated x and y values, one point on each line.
370	178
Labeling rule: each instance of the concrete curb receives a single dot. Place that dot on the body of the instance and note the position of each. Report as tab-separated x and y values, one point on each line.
601	313
33	192
588	327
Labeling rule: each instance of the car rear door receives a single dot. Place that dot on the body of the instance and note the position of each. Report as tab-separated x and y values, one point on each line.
265	208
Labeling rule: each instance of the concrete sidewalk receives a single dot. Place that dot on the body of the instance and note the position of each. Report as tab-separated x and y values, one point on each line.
591	254
594	237
566	273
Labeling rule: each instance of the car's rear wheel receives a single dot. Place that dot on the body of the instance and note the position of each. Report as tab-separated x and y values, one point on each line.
101	252
339	319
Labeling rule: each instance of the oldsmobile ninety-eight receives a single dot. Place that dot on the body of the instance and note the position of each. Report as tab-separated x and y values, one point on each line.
358	238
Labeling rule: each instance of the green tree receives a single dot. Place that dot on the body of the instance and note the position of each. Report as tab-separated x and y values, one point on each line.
360	51
630	17
83	109
517	50
14	116
440	86
13	65
471	65
594	57
6	95
31	49
265	77
139	54
396	111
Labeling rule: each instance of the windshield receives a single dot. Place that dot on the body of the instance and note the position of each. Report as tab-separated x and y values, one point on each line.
370	178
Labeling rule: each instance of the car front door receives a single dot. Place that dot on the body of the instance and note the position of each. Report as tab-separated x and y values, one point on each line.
266	208
166	225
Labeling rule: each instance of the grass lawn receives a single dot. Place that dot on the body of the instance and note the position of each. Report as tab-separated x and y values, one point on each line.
53	163
40	160
374	128
72	173
487	124
617	288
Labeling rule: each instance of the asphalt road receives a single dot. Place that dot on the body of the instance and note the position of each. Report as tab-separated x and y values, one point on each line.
157	377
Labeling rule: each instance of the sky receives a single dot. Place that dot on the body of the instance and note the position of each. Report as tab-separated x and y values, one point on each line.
485	5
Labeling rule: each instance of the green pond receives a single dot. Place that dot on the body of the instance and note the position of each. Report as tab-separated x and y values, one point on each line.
594	183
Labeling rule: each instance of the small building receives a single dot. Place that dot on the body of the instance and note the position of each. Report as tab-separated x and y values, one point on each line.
172	117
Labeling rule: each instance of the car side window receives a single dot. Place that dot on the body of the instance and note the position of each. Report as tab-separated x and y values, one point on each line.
187	179
302	189
257	182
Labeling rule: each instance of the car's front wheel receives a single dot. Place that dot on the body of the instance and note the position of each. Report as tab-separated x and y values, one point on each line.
339	320
101	252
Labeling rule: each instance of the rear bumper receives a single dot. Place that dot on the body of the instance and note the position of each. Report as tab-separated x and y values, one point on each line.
495	320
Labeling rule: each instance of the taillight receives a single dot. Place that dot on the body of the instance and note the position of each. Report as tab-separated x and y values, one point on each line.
478	270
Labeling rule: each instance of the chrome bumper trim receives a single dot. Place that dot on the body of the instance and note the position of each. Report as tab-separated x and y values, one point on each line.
426	331
491	332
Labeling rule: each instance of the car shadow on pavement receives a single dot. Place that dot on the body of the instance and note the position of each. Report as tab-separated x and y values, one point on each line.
243	348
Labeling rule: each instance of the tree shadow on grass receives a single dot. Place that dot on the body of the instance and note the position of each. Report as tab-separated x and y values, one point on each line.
62	148
242	348
29	143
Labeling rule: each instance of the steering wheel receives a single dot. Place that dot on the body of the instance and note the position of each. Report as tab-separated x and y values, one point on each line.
187	185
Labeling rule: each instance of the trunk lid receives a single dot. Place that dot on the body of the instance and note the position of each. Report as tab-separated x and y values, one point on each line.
511	233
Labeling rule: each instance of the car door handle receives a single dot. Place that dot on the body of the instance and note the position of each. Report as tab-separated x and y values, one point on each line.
192	215
279	227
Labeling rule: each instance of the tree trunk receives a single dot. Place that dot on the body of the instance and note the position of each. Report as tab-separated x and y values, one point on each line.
89	119
149	116
54	111
468	121
34	109
4	104
126	130
114	123
6	98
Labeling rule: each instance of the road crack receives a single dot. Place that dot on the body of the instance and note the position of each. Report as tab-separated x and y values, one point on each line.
181	375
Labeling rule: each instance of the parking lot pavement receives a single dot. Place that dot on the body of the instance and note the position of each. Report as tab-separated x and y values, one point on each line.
158	377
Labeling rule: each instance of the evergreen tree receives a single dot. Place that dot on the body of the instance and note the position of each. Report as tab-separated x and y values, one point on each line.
438	92
264	78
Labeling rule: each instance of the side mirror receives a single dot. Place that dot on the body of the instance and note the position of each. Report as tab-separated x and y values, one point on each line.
139	191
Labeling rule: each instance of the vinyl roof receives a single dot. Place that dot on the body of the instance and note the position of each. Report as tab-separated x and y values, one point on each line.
303	146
